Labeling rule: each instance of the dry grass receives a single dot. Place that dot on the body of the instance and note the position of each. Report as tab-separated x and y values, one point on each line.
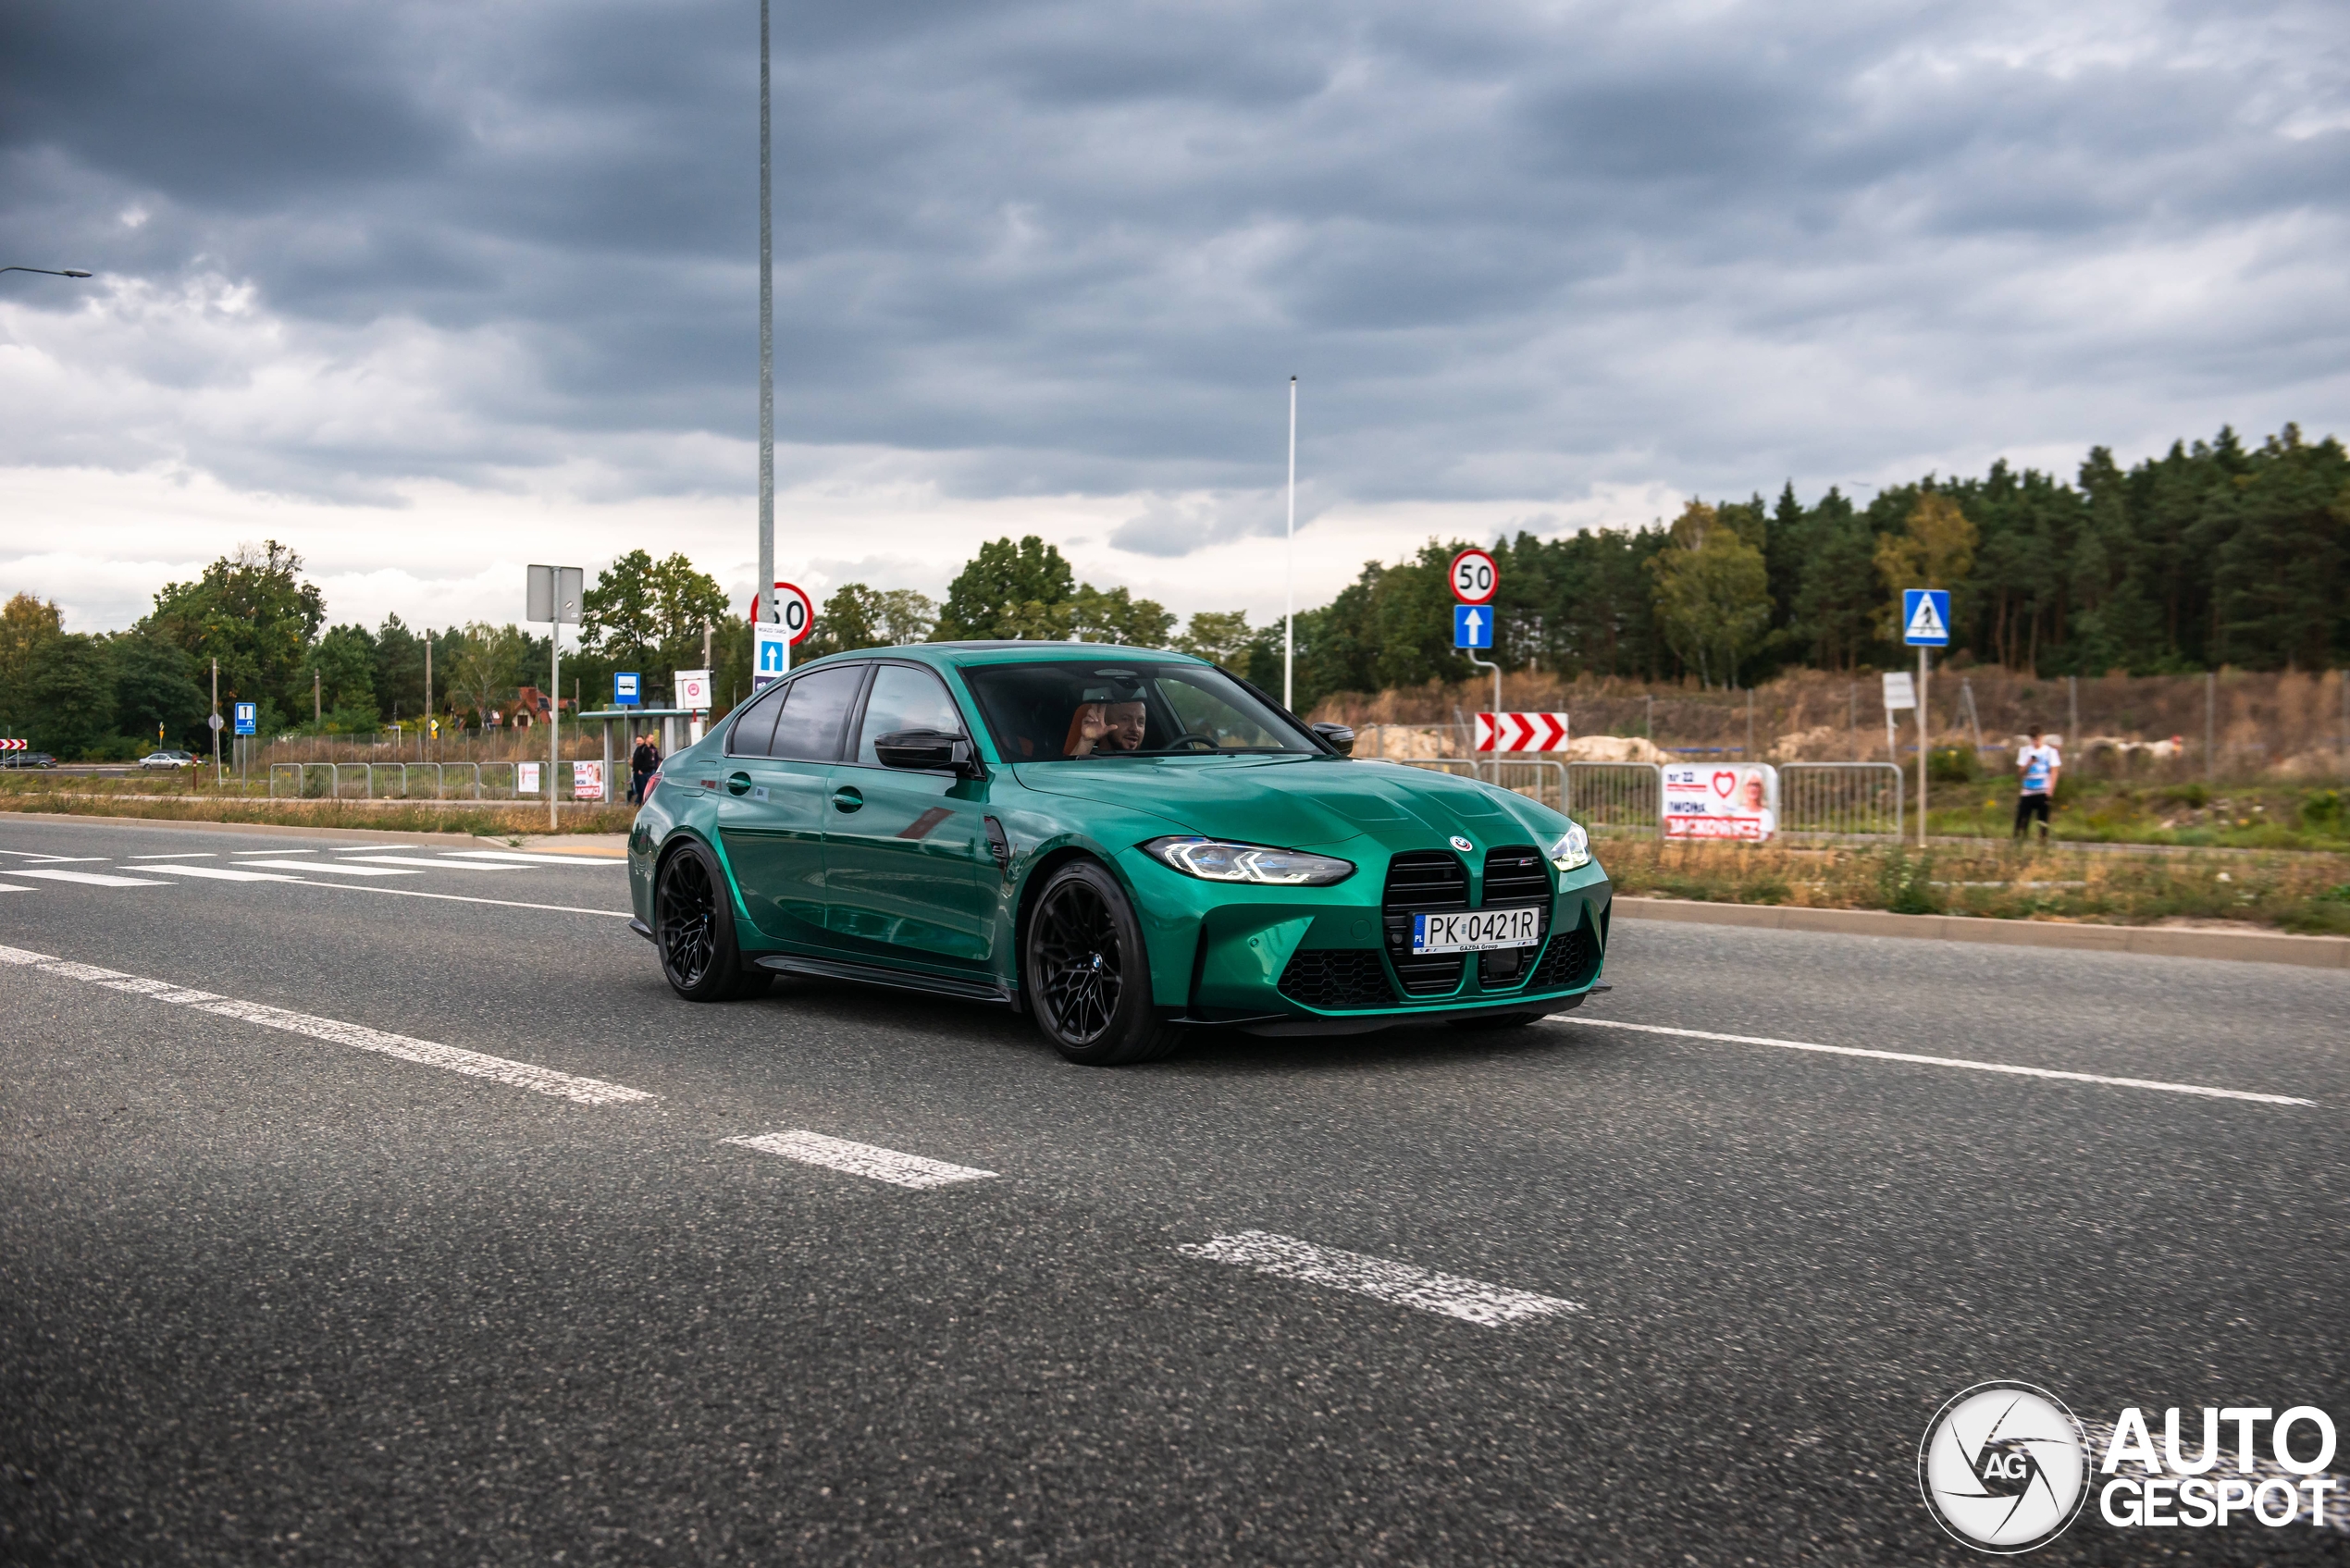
2296	893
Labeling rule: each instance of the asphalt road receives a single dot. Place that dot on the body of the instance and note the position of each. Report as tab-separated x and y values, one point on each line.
275	1289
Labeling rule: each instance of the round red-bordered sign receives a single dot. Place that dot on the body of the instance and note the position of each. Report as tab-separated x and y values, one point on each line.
793	608
1474	577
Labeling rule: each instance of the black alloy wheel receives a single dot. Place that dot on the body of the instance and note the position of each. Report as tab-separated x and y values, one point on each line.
694	929
1088	979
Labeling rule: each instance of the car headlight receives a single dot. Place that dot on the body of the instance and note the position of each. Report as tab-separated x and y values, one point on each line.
1572	849
1214	859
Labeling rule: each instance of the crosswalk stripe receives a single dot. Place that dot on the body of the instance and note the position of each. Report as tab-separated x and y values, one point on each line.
331	867
862	1159
92	879
516	855
221	873
420	861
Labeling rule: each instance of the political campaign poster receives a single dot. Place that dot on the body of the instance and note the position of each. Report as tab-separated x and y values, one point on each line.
525	778
586	781
1729	800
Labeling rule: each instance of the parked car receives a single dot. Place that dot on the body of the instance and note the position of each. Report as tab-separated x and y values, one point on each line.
27	760
166	759
1123	844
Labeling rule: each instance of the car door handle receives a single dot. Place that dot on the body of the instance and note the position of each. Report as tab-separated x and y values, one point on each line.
738	784
847	798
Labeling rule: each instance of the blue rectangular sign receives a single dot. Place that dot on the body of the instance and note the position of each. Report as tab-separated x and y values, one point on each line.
1472	626
625	683
1925	617
245	719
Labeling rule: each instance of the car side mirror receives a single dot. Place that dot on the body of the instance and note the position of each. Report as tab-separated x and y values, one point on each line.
1339	737
927	751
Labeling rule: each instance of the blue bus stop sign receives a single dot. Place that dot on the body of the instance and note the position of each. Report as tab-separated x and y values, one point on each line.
1472	626
1925	617
625	683
246	724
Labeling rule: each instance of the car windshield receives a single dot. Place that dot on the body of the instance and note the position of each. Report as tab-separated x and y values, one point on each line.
1068	710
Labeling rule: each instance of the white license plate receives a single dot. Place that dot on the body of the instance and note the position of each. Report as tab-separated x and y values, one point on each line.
1475	931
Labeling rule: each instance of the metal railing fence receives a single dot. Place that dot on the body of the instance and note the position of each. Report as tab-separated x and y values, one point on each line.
1841	797
1625	797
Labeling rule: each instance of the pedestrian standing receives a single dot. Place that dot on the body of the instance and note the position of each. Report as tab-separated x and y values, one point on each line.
641	763
2037	767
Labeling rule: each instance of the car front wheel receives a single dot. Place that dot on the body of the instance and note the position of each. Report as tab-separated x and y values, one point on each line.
694	929
1088	977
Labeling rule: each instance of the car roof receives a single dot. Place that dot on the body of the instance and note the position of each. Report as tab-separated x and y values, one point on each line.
964	655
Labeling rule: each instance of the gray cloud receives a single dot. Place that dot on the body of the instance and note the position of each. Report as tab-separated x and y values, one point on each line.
1063	248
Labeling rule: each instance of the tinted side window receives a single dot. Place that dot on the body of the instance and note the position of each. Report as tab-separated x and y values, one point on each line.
904	698
757	724
814	714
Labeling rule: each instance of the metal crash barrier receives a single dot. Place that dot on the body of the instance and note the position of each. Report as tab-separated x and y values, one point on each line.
1841	797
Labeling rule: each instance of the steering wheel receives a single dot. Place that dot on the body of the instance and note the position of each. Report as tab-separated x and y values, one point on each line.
1206	740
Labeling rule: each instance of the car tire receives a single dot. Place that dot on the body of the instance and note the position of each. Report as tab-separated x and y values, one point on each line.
1086	975
694	929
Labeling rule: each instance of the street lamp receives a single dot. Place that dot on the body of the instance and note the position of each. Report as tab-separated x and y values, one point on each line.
50	271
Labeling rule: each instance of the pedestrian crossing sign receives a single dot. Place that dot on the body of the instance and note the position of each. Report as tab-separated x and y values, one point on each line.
1925	617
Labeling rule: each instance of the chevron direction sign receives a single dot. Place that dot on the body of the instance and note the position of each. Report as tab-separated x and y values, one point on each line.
1521	731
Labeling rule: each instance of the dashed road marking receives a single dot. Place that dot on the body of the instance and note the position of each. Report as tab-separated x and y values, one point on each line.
1403	1284
528	859
90	879
2202	1088
220	874
862	1159
9	888
183	855
473	1064
442	865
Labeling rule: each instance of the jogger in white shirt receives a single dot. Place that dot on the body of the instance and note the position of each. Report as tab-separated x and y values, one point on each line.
2036	766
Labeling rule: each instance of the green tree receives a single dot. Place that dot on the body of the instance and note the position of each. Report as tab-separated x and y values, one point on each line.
156	695
907	617
1934	549
1116	616
399	675
1220	636
252	611
1834	602
345	662
27	624
1009	590
484	673
69	688
619	619
850	619
1713	594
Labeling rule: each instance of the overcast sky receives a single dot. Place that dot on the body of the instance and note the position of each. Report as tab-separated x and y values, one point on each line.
431	291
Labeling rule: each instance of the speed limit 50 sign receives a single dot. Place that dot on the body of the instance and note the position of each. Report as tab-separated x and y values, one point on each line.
1474	577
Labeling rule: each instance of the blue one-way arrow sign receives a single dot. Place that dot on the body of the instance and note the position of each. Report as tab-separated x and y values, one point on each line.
1472	626
1925	617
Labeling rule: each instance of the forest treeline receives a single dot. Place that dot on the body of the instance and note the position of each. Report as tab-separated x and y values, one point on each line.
2216	553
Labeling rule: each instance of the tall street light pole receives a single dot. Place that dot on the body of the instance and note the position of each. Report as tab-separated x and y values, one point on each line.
766	601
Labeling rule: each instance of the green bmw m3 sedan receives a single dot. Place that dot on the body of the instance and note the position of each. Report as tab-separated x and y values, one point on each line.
1124	845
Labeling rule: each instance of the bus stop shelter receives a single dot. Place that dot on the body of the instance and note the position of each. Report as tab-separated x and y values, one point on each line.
633	721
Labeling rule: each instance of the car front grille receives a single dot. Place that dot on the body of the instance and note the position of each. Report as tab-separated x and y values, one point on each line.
1513	875
1568	962
1425	882
1335	978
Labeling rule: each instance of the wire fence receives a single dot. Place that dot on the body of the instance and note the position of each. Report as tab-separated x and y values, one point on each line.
1841	797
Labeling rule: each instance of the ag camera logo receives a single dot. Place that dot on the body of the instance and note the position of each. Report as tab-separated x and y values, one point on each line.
2004	1467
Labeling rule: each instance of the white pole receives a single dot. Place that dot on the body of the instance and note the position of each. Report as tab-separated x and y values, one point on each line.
555	699
1289	568
1921	746
765	601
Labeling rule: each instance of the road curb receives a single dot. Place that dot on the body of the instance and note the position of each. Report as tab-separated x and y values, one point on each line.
2166	942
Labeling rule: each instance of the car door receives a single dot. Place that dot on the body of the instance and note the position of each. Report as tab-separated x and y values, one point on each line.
908	876
771	814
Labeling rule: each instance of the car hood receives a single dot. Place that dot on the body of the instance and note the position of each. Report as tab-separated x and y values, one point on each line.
1299	802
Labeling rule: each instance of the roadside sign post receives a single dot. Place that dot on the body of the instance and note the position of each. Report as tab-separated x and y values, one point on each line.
248	723
772	639
554	595
1474	580
1925	623
627	689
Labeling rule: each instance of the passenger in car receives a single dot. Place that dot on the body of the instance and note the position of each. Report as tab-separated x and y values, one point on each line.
1106	726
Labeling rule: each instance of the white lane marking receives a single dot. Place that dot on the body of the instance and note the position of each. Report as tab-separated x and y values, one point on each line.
461	898
862	1159
2201	1088
52	860
8	887
332	867
420	861
185	855
1286	1257
243	854
91	877
473	1064
219	874
505	854
363	848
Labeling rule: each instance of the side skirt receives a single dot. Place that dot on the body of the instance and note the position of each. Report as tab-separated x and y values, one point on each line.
869	974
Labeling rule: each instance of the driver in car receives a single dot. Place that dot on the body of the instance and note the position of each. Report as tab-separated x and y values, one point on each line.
1106	726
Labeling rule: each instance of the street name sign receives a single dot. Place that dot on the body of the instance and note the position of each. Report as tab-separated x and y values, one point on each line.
1521	731
1925	617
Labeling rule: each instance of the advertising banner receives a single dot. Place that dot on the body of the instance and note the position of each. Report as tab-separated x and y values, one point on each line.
525	778
1732	800
586	781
